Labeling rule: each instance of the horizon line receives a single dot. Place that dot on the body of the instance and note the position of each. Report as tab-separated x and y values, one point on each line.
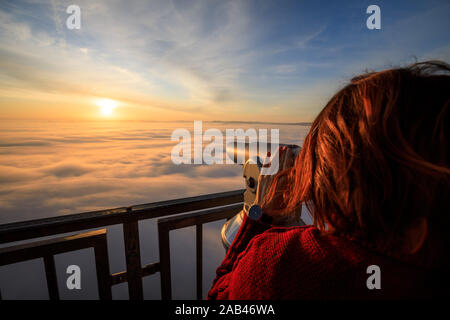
300	123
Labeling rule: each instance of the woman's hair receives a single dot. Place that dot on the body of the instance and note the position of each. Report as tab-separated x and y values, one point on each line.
377	156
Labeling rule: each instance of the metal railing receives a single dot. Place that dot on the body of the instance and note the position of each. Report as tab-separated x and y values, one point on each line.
208	208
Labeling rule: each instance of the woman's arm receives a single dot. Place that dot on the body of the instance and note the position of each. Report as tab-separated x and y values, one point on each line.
249	229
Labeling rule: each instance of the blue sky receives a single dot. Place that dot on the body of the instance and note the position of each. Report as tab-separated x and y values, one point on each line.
209	60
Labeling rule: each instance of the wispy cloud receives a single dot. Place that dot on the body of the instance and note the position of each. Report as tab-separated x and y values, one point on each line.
213	59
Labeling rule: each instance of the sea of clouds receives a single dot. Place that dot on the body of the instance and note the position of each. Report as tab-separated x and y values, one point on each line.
58	168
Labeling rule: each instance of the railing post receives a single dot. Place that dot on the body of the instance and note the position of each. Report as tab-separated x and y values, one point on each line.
50	273
199	246
164	260
205	208
102	268
133	258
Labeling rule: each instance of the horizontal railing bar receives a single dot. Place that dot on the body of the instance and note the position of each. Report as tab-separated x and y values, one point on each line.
147	270
205	216
150	269
39	249
119	277
81	221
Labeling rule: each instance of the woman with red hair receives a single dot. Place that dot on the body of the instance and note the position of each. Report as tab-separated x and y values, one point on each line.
374	171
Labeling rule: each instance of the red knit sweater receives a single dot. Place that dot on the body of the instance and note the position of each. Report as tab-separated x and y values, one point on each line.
267	262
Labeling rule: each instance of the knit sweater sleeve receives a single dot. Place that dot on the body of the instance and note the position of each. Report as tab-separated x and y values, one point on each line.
248	230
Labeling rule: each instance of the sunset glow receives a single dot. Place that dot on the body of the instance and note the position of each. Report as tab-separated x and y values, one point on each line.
166	66
107	106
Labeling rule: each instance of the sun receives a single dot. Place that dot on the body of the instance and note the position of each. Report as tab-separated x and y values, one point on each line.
107	106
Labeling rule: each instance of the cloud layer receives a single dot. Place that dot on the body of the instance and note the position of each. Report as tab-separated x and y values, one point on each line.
56	168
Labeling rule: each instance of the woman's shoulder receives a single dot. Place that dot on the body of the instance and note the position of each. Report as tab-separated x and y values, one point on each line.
307	244
304	247
281	260
308	238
